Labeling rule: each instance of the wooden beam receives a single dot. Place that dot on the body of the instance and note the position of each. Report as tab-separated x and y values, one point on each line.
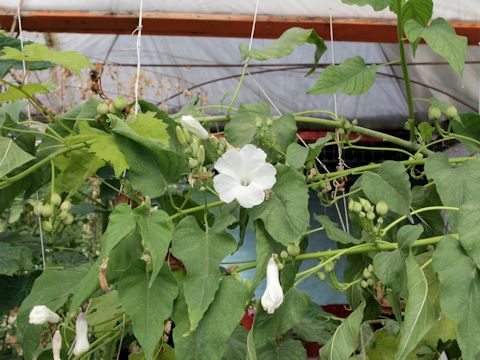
217	25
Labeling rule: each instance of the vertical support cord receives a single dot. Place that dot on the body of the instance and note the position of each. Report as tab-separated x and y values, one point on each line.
406	76
245	65
29	115
139	45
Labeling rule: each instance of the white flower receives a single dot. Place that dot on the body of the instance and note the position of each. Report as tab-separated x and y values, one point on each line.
192	125
81	335
56	345
41	314
243	176
272	298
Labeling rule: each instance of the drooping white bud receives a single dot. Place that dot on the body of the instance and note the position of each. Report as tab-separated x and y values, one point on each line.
81	335
56	345
272	298
192	125
41	314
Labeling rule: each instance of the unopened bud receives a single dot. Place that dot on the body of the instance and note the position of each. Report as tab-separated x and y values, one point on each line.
201	154
181	136
56	345
55	199
284	254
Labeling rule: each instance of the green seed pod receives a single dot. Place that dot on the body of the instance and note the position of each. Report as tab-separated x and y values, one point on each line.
102	108
381	208
451	112
66	205
186	133
194	146
364	284
366	273
181	136
370	268
269	122
329	267
63	214
434	113
284	254
321	275
370	282
293	249
351	204
193	163
361	214
380	220
201	154
357	207
111	109
47	210
120	103
55	199
47	226
364	202
258	123
280	266
68	220
37	208
275	256
370	215
418	156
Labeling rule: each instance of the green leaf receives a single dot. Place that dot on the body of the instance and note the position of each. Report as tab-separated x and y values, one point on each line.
201	253
294	308
15	288
51	289
145	156
333	232
390	184
237	345
290	349
441	37
345	339
209	340
467	228
285	44
242	129
156	231
317	326
121	225
285	214
456	183
419	312
37	52
75	168
11	156
420	10
148	303
104	147
384	345
6	65
296	155
469	126
265	246
14	257
377	5
407	235
459	293
14	93
426	131
148	126
352	77
104	311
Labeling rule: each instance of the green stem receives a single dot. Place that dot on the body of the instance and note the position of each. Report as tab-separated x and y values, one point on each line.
418	211
318	111
373	148
237	90
361	169
357	249
42	162
196	208
406	76
32	132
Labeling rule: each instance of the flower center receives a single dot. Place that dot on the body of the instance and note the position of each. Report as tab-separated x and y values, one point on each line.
245	182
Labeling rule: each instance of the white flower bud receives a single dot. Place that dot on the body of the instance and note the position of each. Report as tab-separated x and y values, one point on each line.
41	314
192	125
56	345
81	335
272	298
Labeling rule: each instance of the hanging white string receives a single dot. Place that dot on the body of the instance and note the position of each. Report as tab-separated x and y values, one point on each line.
332	46
29	115
138	30
253	26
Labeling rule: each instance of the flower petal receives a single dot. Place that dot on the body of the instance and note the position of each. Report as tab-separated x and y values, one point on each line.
249	196
230	164
263	177
226	186
192	125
